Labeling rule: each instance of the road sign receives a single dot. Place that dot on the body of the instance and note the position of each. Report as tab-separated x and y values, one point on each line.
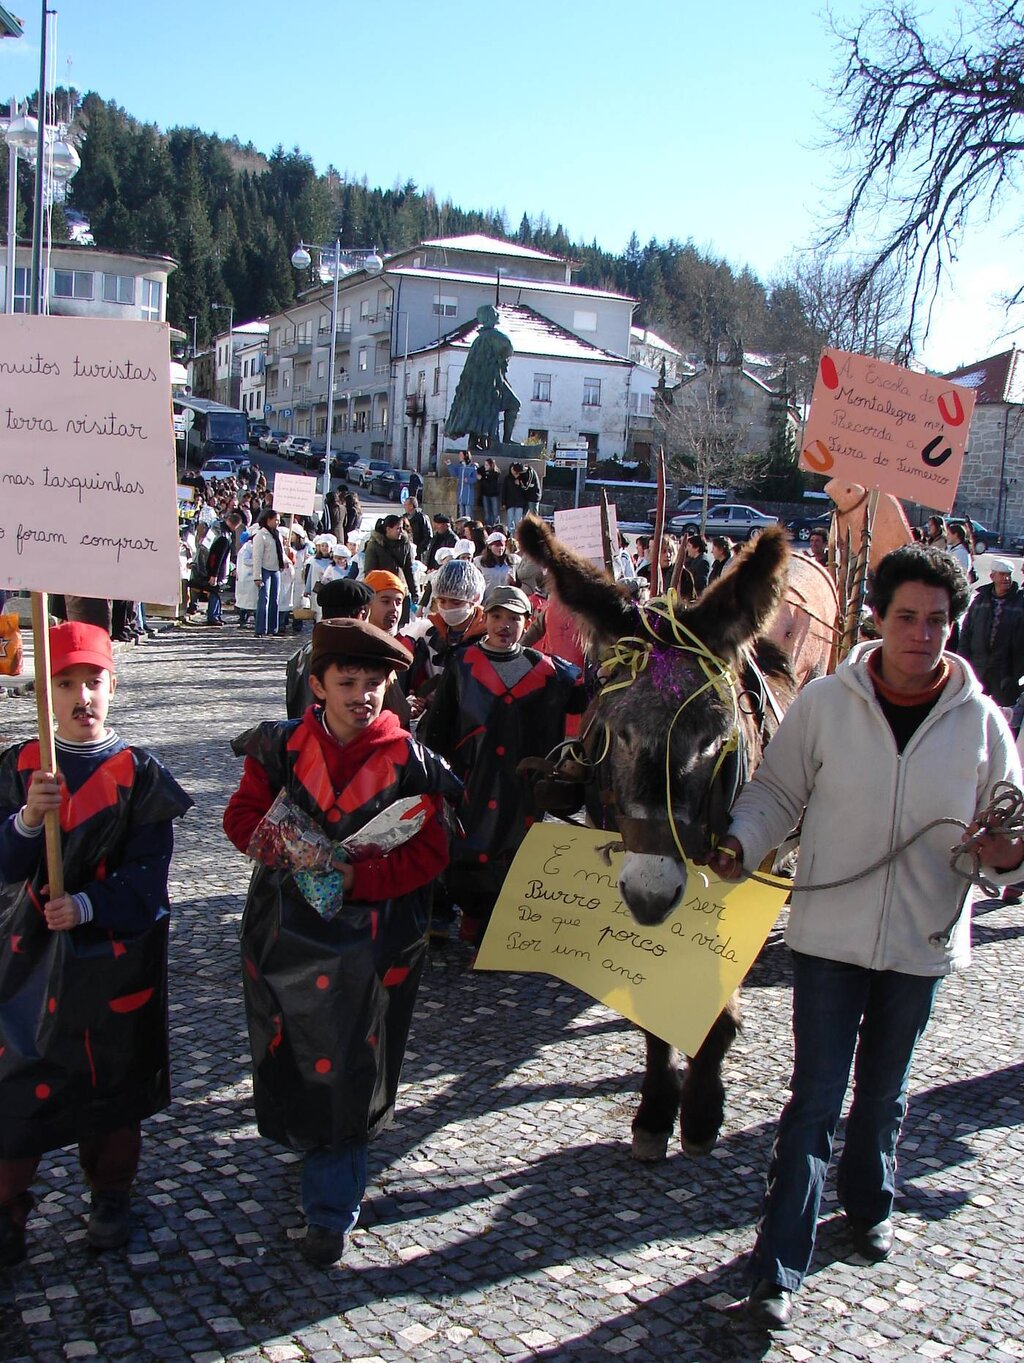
286	412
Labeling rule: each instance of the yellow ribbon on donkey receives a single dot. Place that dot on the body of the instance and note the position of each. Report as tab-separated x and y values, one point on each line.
560	913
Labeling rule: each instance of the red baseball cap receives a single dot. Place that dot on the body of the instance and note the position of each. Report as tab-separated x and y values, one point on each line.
74	642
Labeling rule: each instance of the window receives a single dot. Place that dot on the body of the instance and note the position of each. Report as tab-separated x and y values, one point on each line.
359	421
584	321
591	438
151	300
72	284
437	379
364	310
286	379
542	387
119	288
591	392
321	368
21	289
445	306
346	319
535	436
363	362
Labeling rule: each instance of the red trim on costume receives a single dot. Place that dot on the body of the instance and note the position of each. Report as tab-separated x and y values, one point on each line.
394	976
99	792
88	1056
130	1003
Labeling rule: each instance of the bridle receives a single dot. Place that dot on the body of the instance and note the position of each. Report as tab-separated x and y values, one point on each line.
576	769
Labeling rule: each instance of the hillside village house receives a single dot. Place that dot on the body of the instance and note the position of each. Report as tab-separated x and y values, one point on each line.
252	380
387	323
86	281
227	360
743	394
992	482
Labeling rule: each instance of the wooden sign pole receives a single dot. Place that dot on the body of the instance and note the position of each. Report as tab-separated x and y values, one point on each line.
606	535
657	581
47	742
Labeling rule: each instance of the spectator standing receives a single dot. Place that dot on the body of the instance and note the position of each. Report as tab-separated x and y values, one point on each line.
490	492
721	556
496	564
513	496
992	635
464	472
444	537
246	595
388	550
695	550
267	563
419	527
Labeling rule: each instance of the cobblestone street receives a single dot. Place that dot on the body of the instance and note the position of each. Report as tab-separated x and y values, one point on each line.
504	1218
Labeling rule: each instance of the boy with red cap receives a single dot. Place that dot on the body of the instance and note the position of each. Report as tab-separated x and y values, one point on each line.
83	975
329	999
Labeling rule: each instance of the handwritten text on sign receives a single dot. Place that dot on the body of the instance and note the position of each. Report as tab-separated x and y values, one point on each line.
87	473
294	495
580	529
560	912
887	427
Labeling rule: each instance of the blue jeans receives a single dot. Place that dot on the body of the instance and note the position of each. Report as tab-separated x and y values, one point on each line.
214	605
333	1184
266	604
515	515
839	1010
492	510
465	505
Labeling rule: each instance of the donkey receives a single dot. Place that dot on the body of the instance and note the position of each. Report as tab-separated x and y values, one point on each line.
691	691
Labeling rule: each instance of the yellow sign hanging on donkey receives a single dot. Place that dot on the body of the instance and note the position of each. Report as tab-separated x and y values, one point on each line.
560	912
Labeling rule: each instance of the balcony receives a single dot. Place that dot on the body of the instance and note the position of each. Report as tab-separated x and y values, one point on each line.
301	397
290	349
375	322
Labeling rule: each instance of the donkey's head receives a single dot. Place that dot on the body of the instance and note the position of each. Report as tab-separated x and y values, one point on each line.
668	704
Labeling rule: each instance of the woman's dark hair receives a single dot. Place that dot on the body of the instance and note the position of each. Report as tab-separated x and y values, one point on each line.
724	543
265	515
479	536
920	563
352	500
940	526
388	522
698	542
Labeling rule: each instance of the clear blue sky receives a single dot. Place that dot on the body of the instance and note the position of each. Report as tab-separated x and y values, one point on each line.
667	118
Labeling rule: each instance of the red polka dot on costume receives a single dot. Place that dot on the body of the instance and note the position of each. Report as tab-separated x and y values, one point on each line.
483	856
323	1066
322	981
51	1005
333	815
500	752
529	821
42	1091
508	700
492	804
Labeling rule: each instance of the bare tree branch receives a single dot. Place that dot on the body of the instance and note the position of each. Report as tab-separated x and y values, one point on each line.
934	128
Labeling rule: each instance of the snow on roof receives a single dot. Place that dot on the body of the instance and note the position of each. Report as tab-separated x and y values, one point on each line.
1000	378
523	285
645	336
530	334
476	241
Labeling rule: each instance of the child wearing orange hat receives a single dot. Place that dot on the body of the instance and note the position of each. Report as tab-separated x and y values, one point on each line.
83	975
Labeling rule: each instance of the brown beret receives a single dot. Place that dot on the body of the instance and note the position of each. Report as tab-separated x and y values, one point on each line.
357	641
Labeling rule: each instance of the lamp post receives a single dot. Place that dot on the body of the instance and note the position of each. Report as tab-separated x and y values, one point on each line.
338	262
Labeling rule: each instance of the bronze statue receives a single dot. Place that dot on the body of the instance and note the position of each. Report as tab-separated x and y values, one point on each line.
484	392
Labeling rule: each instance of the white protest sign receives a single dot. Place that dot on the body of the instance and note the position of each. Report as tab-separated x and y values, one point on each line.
294	495
581	530
87	468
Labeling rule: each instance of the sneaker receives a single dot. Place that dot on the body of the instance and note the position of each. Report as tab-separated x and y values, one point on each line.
110	1220
769	1306
322	1246
12	1240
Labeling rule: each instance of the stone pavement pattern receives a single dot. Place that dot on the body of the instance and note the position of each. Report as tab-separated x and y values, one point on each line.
505	1219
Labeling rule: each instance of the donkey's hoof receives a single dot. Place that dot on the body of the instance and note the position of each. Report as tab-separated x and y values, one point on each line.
697	1148
650	1147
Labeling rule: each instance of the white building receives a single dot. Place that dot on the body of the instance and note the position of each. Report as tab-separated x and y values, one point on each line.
252	363
86	281
227	364
423	295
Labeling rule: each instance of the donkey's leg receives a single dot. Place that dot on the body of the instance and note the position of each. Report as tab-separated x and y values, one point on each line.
659	1101
702	1103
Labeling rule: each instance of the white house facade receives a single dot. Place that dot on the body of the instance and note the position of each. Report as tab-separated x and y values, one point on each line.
227	364
85	281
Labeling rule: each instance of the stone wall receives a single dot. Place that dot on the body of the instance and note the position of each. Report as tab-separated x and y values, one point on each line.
996	445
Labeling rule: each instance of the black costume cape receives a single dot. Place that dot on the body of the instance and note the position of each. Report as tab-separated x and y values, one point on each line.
83	1014
329	1004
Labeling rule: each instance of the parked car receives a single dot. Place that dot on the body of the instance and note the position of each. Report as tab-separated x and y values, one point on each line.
984	540
388	483
300	447
271	441
257	429
222	468
801	527
737	521
690	508
362	472
342	461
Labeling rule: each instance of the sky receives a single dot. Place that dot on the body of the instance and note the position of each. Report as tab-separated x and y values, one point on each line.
671	119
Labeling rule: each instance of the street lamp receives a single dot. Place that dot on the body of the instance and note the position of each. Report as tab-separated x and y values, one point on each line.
334	262
61	164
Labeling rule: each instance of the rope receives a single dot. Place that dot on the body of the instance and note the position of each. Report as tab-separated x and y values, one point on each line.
1004	814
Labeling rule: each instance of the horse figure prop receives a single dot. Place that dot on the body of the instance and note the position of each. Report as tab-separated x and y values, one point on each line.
689	696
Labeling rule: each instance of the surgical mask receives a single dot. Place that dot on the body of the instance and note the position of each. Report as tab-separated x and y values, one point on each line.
457	615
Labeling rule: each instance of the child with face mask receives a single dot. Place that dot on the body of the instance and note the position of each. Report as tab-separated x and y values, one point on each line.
456	619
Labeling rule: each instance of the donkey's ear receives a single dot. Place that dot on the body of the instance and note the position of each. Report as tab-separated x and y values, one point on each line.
741	603
582	588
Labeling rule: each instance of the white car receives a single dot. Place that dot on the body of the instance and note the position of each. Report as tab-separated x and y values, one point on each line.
219	468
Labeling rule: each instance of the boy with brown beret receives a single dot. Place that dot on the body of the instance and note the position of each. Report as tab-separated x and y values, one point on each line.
329	1001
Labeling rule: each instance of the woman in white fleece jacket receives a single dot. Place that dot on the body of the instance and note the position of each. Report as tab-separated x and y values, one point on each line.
901	734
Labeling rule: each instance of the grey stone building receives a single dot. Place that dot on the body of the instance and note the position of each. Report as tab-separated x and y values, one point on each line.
992	483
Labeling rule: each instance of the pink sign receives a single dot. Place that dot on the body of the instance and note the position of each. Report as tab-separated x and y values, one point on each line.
887	427
87	468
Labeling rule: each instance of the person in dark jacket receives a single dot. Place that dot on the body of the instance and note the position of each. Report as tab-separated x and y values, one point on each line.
697	565
419	526
444	537
388	550
329	992
490	492
992	635
513	496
